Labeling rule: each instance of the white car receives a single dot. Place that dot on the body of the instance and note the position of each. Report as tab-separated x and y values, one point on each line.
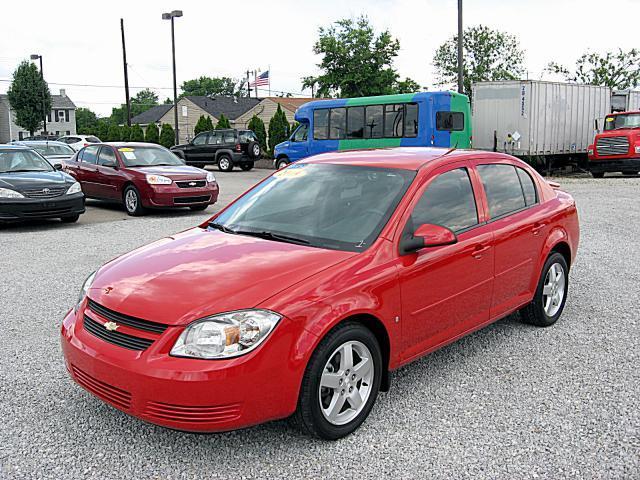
79	141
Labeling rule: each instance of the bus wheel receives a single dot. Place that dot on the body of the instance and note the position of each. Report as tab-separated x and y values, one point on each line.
281	163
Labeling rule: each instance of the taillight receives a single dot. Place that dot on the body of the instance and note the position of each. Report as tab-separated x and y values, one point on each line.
238	149
86	144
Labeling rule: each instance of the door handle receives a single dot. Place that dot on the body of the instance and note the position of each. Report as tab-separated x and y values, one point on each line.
537	227
479	250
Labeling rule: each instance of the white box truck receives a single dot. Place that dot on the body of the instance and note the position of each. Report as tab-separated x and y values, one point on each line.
543	122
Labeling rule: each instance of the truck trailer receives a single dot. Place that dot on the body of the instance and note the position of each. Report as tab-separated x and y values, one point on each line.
545	123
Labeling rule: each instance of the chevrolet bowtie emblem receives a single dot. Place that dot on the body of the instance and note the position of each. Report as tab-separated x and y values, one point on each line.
111	326
192	184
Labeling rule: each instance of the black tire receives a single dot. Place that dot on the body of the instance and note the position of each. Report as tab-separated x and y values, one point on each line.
70	218
281	163
629	172
597	174
246	166
225	164
535	313
253	150
134	209
309	415
198	208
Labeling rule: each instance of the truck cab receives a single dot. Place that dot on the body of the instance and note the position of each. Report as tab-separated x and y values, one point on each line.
617	147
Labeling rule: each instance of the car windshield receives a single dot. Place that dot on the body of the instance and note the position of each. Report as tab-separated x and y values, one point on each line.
23	161
341	207
628	120
148	156
53	149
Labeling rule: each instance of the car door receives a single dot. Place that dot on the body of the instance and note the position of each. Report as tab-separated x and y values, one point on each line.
108	175
197	150
88	171
446	290
518	226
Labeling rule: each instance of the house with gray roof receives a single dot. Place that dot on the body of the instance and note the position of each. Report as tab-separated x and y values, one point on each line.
61	120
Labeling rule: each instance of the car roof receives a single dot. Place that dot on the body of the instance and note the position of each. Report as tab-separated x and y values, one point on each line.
407	158
129	144
7	146
39	142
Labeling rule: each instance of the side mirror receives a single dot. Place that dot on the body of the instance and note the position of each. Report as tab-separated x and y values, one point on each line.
57	166
427	235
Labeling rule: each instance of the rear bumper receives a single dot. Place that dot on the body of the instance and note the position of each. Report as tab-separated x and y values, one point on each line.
614	165
173	196
33	208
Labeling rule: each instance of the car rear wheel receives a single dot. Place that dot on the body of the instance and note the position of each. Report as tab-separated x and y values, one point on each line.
597	174
246	166
341	383
281	163
70	218
551	293
224	163
132	201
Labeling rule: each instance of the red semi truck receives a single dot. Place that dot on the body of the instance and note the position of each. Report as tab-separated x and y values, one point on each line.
617	147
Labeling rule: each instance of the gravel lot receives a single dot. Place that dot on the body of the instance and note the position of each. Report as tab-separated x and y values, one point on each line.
511	401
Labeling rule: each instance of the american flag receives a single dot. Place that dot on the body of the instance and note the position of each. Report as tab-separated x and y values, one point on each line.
263	79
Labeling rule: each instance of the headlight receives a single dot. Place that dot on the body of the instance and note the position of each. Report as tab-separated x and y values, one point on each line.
211	178
85	288
8	193
75	188
637	148
158	180
225	335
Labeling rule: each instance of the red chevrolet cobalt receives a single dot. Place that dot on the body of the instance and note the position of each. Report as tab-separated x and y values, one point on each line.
299	297
141	176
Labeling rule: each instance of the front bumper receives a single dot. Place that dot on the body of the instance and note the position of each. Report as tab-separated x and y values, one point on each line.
614	165
35	208
182	393
174	196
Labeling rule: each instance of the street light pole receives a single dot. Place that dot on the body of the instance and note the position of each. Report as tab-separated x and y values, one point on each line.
171	16
460	49
44	95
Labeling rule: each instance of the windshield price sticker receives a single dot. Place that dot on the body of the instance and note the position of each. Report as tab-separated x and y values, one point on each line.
128	153
290	173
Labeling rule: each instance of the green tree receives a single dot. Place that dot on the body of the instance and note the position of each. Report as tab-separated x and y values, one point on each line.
152	135
209	86
257	126
617	70
167	135
114	133
29	97
223	122
86	121
356	61
140	102
137	135
125	133
488	55
102	129
408	86
278	129
204	124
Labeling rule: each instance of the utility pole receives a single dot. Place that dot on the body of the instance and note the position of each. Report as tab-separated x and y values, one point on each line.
44	95
171	16
460	50
248	85
126	76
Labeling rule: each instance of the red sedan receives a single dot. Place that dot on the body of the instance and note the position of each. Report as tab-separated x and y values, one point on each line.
300	296
141	176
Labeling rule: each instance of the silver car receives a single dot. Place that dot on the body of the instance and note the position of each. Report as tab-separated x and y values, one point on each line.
55	152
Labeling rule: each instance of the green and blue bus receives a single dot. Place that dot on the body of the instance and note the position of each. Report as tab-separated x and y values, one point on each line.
436	119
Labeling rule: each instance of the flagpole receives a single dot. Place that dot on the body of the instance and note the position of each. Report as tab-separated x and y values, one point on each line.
269	78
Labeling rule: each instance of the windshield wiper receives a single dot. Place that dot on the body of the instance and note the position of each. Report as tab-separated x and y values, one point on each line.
222	228
24	170
273	236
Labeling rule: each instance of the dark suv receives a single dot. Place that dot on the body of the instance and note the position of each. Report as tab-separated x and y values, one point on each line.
224	148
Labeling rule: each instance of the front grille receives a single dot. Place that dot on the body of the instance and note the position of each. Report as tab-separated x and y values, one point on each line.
612	146
122	319
192	414
104	391
117	338
199	199
192	184
47	212
49	192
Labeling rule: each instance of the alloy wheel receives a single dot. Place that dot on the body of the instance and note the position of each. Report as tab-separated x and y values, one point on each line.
346	382
553	289
224	163
131	200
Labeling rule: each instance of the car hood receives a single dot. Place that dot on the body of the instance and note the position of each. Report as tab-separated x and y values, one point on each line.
31	180
200	272
175	172
182	146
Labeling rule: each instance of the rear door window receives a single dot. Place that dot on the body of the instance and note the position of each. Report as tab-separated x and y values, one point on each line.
215	138
450	121
90	154
503	189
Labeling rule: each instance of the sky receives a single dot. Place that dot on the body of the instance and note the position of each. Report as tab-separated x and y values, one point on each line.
80	40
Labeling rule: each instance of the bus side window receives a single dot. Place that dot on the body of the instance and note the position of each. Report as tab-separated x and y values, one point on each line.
411	120
373	122
393	120
355	122
338	123
450	121
321	124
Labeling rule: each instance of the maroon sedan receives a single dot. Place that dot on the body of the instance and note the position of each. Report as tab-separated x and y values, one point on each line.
141	175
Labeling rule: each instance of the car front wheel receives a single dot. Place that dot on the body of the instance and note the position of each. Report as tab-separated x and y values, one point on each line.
224	163
551	293
341	382
132	201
